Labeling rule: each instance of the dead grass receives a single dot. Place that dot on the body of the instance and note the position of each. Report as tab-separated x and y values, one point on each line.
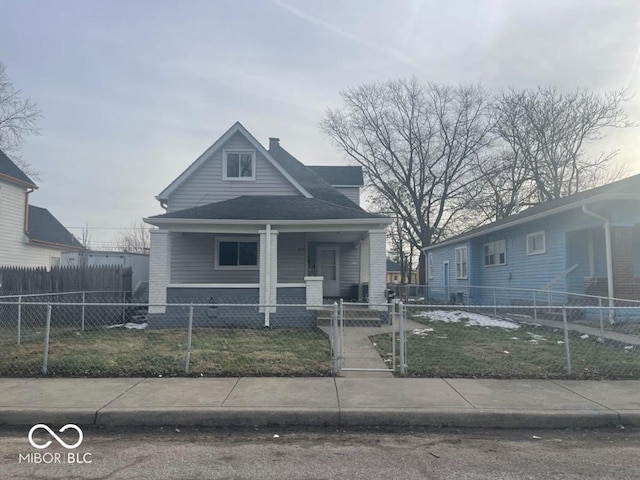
215	352
459	350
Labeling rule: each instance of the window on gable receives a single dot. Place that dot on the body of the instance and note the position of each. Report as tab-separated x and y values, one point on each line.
461	263
232	253
239	165
495	253
536	243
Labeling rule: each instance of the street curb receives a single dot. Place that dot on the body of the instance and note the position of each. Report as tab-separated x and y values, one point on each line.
330	417
218	417
59	416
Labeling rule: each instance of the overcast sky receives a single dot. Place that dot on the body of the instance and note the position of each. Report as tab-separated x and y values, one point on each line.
134	91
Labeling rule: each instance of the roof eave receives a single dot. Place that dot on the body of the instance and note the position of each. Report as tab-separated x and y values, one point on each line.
201	221
538	216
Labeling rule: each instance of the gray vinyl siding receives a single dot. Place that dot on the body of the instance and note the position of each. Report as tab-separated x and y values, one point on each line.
349	270
193	261
352	193
291	258
206	186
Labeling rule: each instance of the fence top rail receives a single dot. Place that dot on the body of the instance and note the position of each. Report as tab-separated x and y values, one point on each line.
604	307
508	289
54	294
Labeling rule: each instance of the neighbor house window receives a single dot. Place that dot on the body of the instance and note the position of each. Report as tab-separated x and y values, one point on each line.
536	243
495	253
236	253
430	265
461	262
239	165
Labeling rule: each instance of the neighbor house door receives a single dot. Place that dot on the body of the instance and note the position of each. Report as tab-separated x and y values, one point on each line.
445	280
328	267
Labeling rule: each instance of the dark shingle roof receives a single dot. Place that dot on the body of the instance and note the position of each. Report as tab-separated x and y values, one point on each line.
44	227
10	169
626	186
312	182
392	266
272	207
338	175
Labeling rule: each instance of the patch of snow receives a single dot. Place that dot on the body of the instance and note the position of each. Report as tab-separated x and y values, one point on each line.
506	352
133	326
584	337
536	337
422	331
474	319
276	436
628	347
560	342
515	338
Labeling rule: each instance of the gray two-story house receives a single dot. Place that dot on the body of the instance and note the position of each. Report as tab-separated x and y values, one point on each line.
249	225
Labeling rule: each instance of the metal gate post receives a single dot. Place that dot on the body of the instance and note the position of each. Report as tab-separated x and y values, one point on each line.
403	353
19	317
335	354
394	324
341	340
189	336
47	332
566	339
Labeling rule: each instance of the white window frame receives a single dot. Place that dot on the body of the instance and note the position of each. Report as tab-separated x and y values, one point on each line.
216	253
430	265
496	253
462	263
226	153
544	243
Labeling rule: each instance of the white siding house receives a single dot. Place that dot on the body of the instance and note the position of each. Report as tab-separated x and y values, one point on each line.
29	235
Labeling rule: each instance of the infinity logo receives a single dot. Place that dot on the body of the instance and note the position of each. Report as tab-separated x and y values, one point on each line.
52	433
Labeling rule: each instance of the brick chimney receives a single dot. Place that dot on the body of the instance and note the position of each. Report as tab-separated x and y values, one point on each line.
273	142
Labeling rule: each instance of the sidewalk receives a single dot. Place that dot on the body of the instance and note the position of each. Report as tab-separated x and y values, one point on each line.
336	402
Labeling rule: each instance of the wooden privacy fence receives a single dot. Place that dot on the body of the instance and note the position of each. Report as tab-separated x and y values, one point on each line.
34	280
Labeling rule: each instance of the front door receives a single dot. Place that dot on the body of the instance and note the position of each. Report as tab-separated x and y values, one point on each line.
328	266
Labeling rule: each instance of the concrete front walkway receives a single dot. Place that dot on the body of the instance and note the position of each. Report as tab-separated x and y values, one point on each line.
129	402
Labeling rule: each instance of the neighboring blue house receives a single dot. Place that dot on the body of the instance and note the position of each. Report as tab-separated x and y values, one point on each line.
586	243
249	225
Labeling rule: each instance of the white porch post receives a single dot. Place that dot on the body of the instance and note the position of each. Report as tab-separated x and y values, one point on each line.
268	271
159	270
377	266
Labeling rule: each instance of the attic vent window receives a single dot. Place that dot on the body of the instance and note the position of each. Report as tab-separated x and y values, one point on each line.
239	165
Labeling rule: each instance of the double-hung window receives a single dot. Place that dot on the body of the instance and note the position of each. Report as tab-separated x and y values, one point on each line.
495	253
461	263
430	265
239	165
536	243
232	253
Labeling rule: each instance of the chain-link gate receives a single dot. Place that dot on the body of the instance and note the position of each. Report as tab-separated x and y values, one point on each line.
356	331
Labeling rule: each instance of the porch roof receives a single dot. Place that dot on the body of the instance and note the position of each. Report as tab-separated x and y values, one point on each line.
271	207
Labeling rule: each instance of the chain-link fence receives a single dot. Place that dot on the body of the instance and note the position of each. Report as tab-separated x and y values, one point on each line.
499	341
65	336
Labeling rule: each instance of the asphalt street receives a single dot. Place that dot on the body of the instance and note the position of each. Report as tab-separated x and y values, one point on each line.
265	453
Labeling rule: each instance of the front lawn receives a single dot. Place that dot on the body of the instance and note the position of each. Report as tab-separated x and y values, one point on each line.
215	352
471	350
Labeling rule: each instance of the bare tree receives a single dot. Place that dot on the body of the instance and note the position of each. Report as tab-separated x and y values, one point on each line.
19	117
135	240
544	135
417	144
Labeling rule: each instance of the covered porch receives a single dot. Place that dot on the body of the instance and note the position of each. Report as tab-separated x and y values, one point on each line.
262	266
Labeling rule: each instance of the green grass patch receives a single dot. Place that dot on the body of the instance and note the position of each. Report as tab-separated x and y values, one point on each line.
215	352
460	350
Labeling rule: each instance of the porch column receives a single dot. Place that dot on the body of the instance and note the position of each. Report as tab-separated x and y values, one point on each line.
377	266
268	270
159	269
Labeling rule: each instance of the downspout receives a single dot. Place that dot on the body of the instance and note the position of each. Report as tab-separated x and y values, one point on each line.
267	280
26	211
609	255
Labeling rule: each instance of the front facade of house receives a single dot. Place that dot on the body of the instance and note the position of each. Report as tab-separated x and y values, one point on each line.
30	236
585	244
246	225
